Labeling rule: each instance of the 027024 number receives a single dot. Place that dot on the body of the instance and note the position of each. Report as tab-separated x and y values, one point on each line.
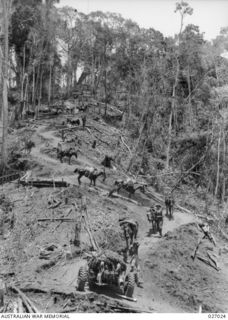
216	316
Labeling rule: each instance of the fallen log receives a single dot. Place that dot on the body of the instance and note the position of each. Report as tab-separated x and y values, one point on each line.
92	127
213	259
4	309
107	143
44	183
87	223
67	214
73	128
196	249
126	199
57	219
20	305
25	298
94	245
206	261
127	298
158	199
122	140
55	205
119	307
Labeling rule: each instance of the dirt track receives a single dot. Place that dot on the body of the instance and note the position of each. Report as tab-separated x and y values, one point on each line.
161	259
148	297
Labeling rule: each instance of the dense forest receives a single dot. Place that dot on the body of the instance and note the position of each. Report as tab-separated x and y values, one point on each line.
171	90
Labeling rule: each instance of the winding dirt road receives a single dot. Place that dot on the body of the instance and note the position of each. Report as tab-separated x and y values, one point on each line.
148	297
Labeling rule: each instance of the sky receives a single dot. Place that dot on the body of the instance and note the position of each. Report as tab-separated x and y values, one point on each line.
209	15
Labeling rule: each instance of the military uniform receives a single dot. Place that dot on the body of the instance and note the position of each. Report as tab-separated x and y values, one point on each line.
159	218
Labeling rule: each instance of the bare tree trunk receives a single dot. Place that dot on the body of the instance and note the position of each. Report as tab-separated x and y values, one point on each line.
105	88
224	163
49	86
22	82
173	103
218	164
40	90
6	10
189	98
36	90
169	138
25	100
68	72
33	86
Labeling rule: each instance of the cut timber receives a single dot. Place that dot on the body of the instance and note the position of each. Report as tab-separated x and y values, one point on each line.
114	307
122	140
26	301
107	143
55	205
121	307
158	199
44	183
126	199
208	262
87	224
94	245
73	128
9	178
127	298
196	249
213	259
56	219
20	305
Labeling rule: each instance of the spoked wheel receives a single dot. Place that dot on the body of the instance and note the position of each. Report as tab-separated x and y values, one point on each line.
129	285
82	278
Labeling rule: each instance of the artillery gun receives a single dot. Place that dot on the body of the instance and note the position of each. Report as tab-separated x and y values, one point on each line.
107	269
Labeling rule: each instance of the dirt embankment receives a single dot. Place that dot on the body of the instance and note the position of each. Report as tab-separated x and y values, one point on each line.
185	282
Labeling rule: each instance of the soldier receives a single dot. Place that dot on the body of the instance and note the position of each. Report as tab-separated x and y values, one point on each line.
169	203
158	218
126	235
151	216
206	230
100	273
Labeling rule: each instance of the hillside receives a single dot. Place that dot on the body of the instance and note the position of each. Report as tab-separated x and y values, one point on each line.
172	281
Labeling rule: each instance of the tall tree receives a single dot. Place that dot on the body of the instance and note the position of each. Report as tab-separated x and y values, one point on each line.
6	10
184	9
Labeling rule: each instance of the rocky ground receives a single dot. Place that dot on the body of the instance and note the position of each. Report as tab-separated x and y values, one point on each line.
38	256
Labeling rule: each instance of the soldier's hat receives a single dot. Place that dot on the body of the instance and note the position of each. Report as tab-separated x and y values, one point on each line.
158	206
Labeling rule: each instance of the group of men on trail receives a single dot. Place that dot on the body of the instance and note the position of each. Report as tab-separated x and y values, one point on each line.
155	214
